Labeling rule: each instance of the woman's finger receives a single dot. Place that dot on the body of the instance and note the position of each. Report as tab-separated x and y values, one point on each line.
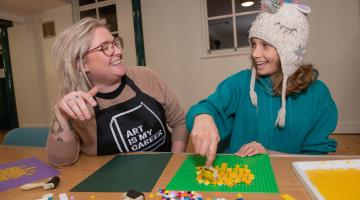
63	107
89	96
75	108
93	91
83	107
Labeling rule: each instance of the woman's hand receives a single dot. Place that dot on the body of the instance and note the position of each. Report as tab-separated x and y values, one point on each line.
251	149
74	104
205	137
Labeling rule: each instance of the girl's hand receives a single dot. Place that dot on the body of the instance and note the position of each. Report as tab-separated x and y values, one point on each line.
205	137
251	149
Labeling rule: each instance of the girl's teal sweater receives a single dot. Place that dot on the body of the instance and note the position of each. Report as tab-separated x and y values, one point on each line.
311	116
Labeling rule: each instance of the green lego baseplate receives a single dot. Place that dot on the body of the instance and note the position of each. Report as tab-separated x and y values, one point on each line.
260	166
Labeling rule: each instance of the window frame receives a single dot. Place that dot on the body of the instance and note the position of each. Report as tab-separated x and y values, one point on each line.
95	6
207	53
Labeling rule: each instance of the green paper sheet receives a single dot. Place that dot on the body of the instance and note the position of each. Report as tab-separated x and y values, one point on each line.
124	172
260	166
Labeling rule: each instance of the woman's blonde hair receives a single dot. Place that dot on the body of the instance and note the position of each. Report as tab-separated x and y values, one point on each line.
68	51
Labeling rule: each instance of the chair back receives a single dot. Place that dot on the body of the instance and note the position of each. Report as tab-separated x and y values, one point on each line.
36	137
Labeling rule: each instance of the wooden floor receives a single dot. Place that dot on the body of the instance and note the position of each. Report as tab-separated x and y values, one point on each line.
348	144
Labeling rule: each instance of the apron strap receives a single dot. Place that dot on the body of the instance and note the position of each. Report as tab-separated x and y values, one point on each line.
97	107
125	80
120	88
132	85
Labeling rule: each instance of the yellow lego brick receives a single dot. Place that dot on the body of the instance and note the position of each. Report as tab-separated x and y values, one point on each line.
251	176
199	180
233	175
287	197
206	182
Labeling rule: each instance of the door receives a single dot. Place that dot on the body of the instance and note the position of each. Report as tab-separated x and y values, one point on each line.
8	113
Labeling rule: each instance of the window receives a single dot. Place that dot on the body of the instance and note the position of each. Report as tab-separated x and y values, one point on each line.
100	9
226	25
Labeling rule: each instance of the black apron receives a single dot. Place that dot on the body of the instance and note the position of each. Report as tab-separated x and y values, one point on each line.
138	124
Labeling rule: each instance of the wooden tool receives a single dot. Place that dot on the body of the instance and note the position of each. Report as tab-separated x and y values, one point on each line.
50	184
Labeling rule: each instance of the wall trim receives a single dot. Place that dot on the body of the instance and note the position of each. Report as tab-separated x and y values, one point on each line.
348	127
138	30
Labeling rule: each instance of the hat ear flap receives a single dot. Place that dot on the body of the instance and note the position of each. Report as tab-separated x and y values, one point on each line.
271	6
304	9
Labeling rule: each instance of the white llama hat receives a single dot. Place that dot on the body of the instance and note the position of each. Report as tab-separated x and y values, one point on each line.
286	28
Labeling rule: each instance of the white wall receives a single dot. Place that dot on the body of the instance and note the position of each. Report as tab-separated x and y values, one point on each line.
334	49
28	81
126	30
35	78
173	43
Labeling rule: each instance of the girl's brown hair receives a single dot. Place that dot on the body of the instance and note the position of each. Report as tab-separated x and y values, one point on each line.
297	82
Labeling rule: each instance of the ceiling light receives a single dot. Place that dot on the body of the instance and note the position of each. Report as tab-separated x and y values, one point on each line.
247	3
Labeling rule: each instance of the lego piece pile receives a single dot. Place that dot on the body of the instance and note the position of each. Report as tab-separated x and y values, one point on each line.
224	175
179	195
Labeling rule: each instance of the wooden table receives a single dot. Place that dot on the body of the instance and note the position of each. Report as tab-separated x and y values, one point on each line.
72	175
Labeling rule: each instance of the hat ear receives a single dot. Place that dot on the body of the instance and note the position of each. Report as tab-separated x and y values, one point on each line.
304	9
271	6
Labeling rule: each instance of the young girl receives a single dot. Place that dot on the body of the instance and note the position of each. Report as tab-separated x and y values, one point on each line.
277	107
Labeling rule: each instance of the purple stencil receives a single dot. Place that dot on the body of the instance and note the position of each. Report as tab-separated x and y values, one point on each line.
14	174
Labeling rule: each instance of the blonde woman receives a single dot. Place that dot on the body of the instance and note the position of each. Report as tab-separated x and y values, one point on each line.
107	108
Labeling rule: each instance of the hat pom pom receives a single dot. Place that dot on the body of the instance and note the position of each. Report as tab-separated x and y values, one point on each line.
271	6
280	121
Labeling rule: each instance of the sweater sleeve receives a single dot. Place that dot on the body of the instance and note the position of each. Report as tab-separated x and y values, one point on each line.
62	153
175	114
317	141
221	105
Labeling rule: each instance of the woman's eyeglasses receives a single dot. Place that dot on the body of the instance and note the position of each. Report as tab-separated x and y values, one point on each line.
108	47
